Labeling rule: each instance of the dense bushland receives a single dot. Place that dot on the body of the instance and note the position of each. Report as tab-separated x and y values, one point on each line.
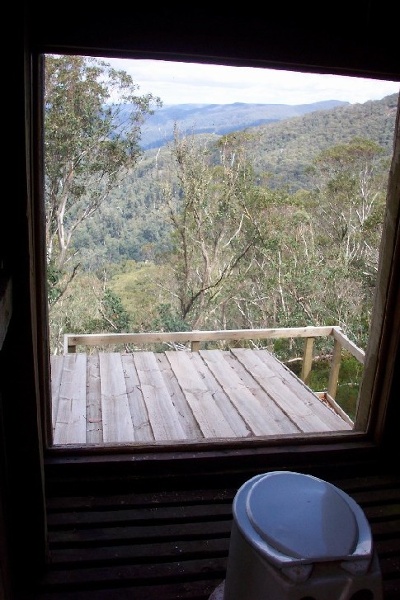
274	226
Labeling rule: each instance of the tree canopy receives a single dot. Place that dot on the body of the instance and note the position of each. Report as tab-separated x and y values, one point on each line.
198	235
88	148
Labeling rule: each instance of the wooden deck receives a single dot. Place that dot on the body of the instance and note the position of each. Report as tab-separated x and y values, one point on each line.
174	396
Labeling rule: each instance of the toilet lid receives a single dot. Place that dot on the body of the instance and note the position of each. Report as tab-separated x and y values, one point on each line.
302	516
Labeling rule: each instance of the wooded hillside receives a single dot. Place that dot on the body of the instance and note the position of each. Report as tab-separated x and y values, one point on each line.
219	119
274	226
132	225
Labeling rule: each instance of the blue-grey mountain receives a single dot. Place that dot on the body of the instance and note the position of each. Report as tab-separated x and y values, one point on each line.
131	226
219	119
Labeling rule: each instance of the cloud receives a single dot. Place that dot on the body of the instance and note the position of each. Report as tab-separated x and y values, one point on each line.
192	83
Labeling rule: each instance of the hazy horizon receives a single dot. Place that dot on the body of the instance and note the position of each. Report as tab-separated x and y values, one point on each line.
194	83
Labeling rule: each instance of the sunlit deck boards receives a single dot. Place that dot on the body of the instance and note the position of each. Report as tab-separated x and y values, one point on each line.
175	396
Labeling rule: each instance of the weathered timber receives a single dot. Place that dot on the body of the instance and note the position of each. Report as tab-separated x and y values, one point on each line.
181	396
71	341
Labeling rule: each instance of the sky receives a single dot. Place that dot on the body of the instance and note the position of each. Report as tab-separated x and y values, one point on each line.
190	83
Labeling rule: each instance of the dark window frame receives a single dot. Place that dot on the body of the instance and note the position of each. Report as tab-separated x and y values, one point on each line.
379	364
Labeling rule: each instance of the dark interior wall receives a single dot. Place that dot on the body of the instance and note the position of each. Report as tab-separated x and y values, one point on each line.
322	39
21	472
361	42
314	37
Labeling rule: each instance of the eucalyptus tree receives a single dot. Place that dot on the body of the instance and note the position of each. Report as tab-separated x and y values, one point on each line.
349	194
351	184
207	197
244	255
93	117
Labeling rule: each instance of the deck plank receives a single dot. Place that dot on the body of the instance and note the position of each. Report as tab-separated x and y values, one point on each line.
279	419
184	412
94	428
71	415
228	409
207	413
56	364
298	407
145	397
332	419
262	418
117	421
142	431
163	417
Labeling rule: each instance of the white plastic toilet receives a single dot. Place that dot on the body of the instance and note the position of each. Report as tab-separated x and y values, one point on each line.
297	537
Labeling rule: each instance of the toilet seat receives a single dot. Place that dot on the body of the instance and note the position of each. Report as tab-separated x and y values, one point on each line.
297	520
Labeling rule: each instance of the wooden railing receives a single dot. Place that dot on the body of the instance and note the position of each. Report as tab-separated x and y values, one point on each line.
341	341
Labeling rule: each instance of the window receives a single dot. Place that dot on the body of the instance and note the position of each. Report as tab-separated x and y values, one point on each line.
89	409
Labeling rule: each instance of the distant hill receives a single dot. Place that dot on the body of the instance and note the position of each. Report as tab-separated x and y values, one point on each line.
284	148
219	119
132	226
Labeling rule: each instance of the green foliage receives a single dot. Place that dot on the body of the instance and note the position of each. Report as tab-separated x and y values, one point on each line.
86	307
350	376
351	372
212	229
199	235
142	289
280	155
87	148
53	283
275	226
168	320
115	317
76	310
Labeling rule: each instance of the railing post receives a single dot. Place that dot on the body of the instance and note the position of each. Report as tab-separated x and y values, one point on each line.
335	368
195	346
68	348
307	360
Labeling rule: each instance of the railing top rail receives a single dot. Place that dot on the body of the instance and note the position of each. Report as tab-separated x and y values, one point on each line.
101	339
348	344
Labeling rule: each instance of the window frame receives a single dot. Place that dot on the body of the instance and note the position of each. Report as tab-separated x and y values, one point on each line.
383	341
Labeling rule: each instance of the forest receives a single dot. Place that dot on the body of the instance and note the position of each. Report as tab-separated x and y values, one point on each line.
277	225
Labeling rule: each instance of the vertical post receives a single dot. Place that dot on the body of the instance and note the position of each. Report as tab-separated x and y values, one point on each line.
307	360
335	368
195	346
68	348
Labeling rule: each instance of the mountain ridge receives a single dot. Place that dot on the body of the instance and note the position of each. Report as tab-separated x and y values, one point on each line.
219	119
131	225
